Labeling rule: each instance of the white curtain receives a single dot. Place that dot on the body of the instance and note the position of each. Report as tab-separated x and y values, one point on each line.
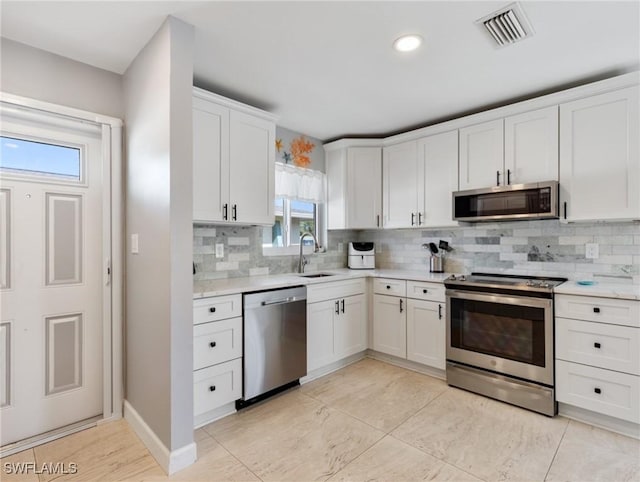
299	183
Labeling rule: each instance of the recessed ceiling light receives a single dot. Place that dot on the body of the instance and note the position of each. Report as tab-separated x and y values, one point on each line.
407	43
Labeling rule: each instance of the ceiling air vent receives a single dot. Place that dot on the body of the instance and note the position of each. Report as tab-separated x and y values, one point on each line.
508	25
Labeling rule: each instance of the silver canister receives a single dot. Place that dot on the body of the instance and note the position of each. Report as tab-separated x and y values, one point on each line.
435	264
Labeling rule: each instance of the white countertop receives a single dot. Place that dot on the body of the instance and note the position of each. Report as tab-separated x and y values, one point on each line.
229	286
600	289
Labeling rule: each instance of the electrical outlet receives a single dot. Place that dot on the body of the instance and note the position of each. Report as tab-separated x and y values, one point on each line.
592	250
219	250
134	244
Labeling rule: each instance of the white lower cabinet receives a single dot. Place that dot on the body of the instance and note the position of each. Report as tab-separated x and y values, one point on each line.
217	355
411	324
598	356
336	326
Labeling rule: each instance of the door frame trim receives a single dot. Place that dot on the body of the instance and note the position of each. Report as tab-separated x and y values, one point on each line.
113	239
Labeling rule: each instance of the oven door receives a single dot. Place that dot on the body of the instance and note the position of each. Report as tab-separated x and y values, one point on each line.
512	335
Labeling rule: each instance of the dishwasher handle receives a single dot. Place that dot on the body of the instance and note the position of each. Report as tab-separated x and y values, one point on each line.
282	301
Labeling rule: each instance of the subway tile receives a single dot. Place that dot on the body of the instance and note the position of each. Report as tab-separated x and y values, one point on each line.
204	231
239	257
574	239
527	232
614	259
619	239
510	240
234	241
226	266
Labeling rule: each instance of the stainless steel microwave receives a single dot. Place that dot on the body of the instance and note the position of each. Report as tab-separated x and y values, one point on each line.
515	202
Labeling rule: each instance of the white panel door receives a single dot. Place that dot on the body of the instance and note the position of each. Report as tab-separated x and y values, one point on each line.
426	333
210	161
364	187
599	157
482	155
320	339
531	146
400	184
390	325
51	358
438	171
252	169
350	326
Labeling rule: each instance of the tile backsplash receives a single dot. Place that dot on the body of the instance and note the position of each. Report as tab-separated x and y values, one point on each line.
546	247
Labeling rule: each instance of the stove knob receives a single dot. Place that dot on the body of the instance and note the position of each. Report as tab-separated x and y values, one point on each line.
529	283
544	284
452	277
462	278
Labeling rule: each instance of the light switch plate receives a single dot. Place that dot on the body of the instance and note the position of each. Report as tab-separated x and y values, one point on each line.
592	250
219	250
134	244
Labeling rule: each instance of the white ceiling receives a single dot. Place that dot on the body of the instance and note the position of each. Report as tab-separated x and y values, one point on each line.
328	69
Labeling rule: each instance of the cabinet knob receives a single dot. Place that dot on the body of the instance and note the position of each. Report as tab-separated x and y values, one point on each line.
596	309
212	388
388	287
596	345
212	309
597	390
425	291
212	344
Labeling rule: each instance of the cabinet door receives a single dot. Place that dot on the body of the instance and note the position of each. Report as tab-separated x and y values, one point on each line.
350	326
210	160
320	349
426	333
390	325
531	146
336	165
438	172
599	159
364	187
252	169
400	185
481	155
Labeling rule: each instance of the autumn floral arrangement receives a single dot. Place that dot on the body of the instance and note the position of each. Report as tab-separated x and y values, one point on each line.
299	150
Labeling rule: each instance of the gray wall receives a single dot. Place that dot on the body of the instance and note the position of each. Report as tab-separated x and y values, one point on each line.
35	73
316	155
159	351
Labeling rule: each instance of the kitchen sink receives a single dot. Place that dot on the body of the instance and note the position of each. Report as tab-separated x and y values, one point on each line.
316	275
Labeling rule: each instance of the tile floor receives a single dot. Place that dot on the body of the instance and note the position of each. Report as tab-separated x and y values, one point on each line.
369	421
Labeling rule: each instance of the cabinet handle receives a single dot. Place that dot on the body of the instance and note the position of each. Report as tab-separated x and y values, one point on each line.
596	345
212	344
425	291
413	216
508	176
497	178
565	209
378	220
388	287
597	390
337	307
439	311
212	388
419	219
596	309
225	211
343	305
400	305
234	212
212	309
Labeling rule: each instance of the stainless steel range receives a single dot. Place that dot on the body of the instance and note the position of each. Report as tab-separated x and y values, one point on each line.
500	338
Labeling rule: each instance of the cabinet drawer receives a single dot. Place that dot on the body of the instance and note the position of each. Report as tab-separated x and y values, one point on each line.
217	342
421	290
597	344
218	308
603	391
394	287
335	289
216	386
603	310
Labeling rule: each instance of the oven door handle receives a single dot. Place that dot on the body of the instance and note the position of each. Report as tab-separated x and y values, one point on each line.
500	299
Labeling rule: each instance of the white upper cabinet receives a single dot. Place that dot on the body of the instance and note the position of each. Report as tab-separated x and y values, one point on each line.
518	149
599	158
354	186
481	155
233	161
531	146
438	173
400	185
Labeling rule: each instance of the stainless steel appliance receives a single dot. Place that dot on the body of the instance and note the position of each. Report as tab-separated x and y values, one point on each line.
500	338
362	255
275	340
519	201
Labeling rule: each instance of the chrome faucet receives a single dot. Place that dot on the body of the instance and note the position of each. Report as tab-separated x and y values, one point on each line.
303	261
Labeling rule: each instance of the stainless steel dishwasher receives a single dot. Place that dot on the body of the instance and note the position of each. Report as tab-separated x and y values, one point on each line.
275	340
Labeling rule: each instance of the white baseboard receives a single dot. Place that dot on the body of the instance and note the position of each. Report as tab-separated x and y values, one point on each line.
170	461
213	415
599	420
408	364
332	367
